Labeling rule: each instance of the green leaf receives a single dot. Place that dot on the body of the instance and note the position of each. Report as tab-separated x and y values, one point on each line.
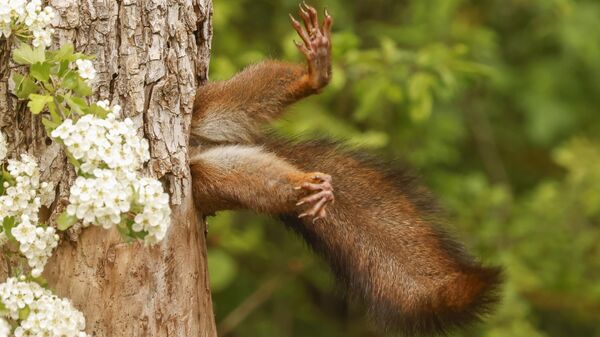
369	100
77	104
419	90
40	71
71	80
24	313
82	88
37	102
124	232
52	107
98	111
39	280
63	68
8	178
420	109
82	56
24	86
65	53
138	235
74	82
17	79
50	125
8	223
133	234
27	88
3	310
72	160
65	221
25	55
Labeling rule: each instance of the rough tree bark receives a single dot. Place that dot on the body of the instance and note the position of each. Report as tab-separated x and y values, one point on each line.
150	57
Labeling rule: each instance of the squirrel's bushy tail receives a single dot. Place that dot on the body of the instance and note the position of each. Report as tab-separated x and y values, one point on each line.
385	248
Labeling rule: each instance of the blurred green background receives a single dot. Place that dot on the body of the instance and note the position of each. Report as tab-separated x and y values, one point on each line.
494	103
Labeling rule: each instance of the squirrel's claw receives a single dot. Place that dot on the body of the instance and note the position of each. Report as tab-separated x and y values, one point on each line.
316	44
324	195
327	23
303	35
314	36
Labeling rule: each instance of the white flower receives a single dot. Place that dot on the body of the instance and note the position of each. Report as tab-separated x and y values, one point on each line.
35	243
3	147
104	104
25	231
155	217
22	200
4	328
103	143
18	6
42	37
112	192
86	69
21	14
49	315
110	195
16	295
101	200
4	29
25	195
116	111
5	14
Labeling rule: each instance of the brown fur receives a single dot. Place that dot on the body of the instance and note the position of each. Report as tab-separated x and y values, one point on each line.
233	111
240	176
384	245
380	237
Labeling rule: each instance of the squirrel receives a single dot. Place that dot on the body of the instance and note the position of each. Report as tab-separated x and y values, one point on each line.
377	233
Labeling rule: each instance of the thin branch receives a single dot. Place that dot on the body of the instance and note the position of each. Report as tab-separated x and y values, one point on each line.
239	314
483	134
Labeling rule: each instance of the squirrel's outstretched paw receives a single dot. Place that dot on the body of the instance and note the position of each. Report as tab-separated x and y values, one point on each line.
323	194
316	44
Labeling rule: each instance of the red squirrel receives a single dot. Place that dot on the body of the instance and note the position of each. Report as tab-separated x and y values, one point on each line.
377	234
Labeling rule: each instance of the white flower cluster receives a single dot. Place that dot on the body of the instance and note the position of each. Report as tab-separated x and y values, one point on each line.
86	69
27	194
155	216
16	294
103	143
36	243
111	154
48	315
3	149
115	110
28	15
4	328
101	200
22	200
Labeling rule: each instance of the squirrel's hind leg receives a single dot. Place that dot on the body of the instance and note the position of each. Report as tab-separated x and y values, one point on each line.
244	176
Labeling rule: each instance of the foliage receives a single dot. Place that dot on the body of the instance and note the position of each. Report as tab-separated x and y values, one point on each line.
493	102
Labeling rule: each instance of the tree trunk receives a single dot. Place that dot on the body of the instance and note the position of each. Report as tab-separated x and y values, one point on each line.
150	57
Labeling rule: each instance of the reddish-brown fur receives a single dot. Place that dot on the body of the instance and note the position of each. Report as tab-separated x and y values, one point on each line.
380	237
384	244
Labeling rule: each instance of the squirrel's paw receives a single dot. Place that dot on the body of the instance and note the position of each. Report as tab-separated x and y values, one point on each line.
321	195
316	45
